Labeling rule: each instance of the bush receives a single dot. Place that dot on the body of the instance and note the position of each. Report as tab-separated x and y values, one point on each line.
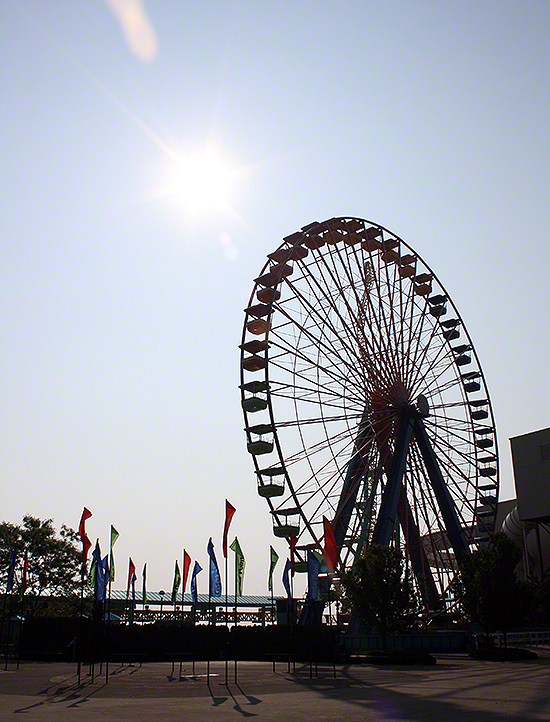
503	654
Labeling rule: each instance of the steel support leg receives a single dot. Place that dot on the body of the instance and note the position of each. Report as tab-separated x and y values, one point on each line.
385	523
444	500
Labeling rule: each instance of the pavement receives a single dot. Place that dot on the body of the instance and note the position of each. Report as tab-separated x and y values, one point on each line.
457	688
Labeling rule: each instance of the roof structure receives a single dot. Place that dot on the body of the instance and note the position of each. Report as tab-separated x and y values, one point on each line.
155	598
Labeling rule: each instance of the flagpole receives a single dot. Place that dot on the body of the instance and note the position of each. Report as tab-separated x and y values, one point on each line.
79	627
4	612
182	585
236	572
10	612
236	614
108	631
226	589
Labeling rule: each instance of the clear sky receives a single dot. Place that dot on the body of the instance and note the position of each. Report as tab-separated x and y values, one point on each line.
123	287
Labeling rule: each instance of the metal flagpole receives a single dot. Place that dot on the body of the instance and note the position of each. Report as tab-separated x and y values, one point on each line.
236	615
226	614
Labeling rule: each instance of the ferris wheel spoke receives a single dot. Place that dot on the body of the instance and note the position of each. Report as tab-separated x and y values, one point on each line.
313	337
388	348
350	284
440	364
318	285
354	343
331	375
377	315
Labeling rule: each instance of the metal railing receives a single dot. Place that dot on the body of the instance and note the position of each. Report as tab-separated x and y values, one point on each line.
227	617
522	639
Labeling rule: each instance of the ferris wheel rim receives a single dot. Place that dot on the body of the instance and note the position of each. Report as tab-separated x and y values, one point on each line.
286	248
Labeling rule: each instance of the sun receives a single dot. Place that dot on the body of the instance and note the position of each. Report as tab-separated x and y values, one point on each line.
201	183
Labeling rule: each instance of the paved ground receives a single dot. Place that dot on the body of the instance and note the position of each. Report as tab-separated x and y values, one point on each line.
455	689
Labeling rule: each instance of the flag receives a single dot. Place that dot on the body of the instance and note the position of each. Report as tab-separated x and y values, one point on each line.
313	567
229	511
144	584
215	582
114	536
240	564
330	552
11	571
102	578
92	575
272	564
84	538
25	570
194	594
96	561
186	565
176	583
131	576
86	514
286	578
86	544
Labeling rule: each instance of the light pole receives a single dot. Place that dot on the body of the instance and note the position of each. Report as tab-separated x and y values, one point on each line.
162	593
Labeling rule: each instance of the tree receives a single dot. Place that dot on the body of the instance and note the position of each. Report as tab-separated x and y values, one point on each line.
541	600
488	589
54	559
380	591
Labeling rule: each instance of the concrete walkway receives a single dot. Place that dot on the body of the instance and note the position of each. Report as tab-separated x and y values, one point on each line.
457	688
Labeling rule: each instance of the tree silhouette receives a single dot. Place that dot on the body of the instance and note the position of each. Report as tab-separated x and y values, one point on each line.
488	589
53	559
380	591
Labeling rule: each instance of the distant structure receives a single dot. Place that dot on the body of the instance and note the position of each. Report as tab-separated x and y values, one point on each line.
528	522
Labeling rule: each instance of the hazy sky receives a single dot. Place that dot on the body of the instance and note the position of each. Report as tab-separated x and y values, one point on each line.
121	305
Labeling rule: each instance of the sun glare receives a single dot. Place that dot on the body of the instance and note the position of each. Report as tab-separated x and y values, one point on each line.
201	183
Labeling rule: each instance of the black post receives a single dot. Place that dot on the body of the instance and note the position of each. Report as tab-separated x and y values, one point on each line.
79	626
226	618
10	612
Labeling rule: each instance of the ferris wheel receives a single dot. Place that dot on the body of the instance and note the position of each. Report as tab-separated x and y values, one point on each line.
364	402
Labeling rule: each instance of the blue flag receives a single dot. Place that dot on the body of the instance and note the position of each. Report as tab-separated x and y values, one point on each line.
95	578
215	585
313	567
286	577
102	578
194	594
96	554
11	571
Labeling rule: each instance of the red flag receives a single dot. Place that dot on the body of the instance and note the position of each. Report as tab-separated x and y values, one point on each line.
292	541
131	576
86	514
229	511
86	543
25	568
186	565
330	552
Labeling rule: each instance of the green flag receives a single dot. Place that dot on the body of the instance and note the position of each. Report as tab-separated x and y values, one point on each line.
272	565
240	564
114	536
176	584
144	586
92	574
